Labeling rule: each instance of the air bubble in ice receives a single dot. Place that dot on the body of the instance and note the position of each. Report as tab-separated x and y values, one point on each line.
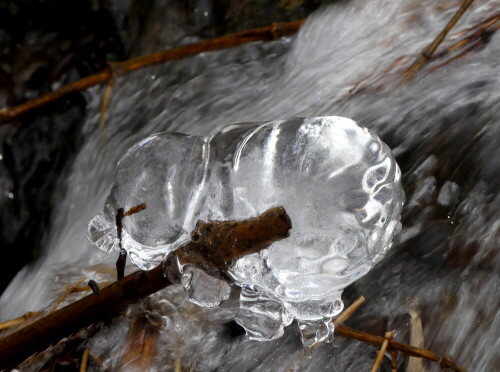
338	182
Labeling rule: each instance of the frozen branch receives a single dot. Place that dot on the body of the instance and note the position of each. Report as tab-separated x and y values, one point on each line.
240	238
268	33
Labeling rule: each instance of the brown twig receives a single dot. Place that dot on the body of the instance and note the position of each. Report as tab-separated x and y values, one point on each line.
225	241
394	361
105	103
427	53
416	339
65	294
391	345
381	352
470	39
47	359
268	33
178	365
141	345
37	336
480	36
347	313
96	358
443	361
135	210
19	320
85	359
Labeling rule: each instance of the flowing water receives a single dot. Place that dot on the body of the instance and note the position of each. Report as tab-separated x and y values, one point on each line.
443	128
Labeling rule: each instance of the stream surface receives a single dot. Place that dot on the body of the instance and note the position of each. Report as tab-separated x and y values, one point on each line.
443	127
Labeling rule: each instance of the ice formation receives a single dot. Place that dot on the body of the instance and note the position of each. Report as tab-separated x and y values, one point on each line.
338	182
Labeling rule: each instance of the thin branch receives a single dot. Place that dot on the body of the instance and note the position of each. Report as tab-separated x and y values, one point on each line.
142	343
443	361
178	365
381	352
268	33
65	294
96	359
394	361
347	313
135	210
469	39
427	53
19	320
272	225
85	359
105	103
416	339
46	359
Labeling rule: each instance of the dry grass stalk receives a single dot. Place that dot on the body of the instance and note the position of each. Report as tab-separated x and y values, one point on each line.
96	359
85	359
443	361
427	53
347	313
141	345
20	320
416	339
178	365
394	361
47	359
105	103
391	345
68	291
134	210
381	352
469	40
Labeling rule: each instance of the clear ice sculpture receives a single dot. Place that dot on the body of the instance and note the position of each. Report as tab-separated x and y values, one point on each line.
338	182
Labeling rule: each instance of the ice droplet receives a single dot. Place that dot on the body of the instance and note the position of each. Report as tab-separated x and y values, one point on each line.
315	331
338	182
261	315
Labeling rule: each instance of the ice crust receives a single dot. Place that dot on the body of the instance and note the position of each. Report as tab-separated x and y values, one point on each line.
338	182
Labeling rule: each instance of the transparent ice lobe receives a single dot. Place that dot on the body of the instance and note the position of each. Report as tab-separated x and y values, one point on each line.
338	182
203	289
167	172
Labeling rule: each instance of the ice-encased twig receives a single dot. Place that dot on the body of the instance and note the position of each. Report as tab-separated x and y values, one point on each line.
338	181
37	336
